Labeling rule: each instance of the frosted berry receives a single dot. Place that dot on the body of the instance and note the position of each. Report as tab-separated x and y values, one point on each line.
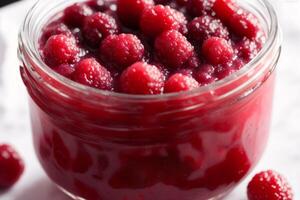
201	28
205	74
244	24
60	49
55	29
192	63
269	185
160	18
121	50
74	15
65	70
217	50
222	71
130	11
91	73
199	7
179	82
98	26
247	49
173	49
11	166
142	78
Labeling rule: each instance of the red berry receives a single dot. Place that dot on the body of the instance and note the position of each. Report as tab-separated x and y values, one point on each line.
225	9
186	72
179	82
269	185
98	26
192	63
130	11
173	49
64	70
160	18
217	50
55	29
237	64
142	78
199	7
201	28
89	72
11	166
244	24
60	49
247	49
122	50
222	71
74	15
205	74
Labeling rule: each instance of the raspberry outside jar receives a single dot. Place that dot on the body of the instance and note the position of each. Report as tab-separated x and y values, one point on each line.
192	145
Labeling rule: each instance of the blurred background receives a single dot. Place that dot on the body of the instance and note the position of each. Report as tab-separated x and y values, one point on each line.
282	153
5	2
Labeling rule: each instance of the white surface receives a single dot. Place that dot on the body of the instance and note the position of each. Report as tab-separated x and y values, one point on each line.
283	152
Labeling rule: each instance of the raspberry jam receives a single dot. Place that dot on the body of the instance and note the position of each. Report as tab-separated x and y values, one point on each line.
143	100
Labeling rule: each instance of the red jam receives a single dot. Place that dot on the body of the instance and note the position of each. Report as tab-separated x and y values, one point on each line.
104	145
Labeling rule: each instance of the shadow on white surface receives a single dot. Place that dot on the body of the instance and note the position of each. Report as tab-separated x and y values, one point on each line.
42	189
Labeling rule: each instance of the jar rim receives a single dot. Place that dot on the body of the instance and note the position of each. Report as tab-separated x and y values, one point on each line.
29	47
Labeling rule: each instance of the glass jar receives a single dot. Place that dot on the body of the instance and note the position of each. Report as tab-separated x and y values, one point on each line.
192	145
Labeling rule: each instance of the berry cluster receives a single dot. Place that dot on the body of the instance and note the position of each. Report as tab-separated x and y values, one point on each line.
151	47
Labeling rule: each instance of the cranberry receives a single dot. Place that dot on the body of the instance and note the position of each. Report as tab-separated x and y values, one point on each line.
201	28
173	49
160	18
199	7
222	71
247	49
74	15
65	70
142	78
98	26
89	72
193	62
122	50
244	24
217	50
179	82
269	185
11	166
205	74
237	64
55	29
130	11
60	49
225	9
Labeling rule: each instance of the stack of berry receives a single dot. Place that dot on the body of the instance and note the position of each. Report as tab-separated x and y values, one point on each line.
146	47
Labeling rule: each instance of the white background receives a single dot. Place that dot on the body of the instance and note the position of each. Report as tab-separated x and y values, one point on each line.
283	151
